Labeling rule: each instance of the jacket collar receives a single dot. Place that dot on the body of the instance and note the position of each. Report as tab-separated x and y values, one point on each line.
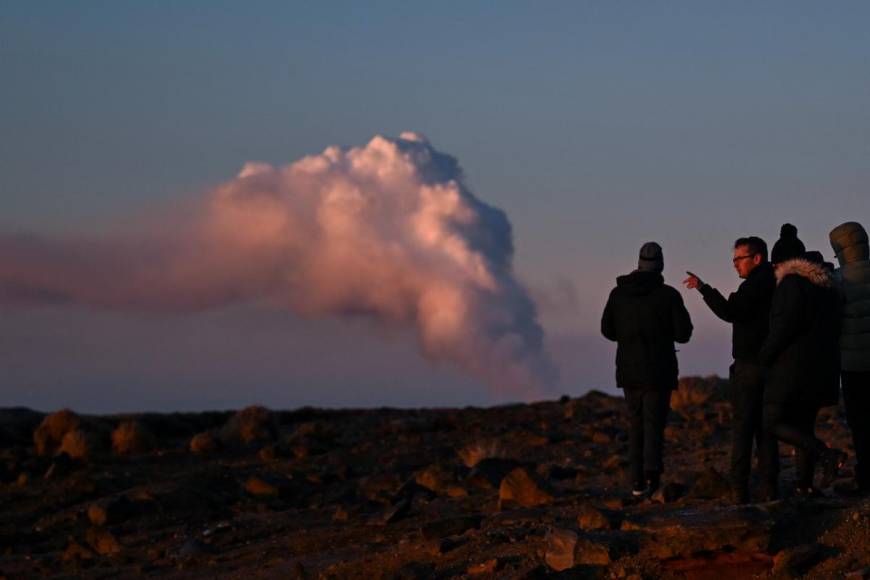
814	273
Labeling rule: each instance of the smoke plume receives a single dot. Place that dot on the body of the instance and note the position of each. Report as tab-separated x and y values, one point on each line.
387	231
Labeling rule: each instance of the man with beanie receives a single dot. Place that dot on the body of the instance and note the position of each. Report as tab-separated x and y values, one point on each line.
802	354
849	241
645	317
748	310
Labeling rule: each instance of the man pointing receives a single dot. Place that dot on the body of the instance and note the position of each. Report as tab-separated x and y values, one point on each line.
747	310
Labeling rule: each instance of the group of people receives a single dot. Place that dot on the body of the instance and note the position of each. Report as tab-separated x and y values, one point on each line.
800	329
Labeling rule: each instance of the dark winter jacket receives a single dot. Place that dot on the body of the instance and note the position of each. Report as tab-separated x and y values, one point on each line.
801	349
849	240
645	317
748	309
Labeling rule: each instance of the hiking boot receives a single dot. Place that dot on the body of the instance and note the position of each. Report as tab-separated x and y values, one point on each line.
830	463
639	490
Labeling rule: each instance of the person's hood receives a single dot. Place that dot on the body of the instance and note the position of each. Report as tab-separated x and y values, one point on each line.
849	241
640	282
817	274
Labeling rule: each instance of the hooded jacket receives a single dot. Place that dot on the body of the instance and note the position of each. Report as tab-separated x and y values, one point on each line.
645	317
801	348
849	241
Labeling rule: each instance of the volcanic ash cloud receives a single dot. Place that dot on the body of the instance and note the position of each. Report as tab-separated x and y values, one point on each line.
387	231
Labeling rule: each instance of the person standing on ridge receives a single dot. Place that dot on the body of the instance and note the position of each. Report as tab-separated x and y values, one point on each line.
748	310
849	241
802	354
646	317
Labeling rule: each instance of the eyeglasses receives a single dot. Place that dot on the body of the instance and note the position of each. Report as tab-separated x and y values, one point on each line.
738	258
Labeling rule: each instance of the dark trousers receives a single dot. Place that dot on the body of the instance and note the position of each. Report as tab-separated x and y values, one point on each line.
856	396
747	401
648	411
794	423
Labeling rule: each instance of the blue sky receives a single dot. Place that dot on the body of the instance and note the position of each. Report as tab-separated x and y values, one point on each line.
595	126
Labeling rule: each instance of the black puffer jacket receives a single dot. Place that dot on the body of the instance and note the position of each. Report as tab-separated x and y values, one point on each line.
850	242
645	317
802	349
748	310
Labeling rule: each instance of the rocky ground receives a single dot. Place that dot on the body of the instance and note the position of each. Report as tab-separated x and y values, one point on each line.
518	491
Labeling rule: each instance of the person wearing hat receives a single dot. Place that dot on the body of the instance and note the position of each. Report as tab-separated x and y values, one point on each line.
748	311
802	354
645	317
850	243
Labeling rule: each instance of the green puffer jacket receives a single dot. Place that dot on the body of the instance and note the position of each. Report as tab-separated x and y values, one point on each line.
849	241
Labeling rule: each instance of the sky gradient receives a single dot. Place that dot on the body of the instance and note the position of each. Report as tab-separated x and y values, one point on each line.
594	127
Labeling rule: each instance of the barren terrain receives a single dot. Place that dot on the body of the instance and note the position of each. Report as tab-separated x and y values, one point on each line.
519	491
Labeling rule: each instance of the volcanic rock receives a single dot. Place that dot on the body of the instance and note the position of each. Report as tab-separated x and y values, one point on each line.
694	392
78	444
75	552
592	551
523	488
103	542
249	425
48	436
591	518
203	443
110	511
131	438
435	478
474	453
559	553
267	486
487	567
488	473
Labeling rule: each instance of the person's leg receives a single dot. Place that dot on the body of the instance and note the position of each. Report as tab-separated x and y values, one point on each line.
856	396
634	402
766	445
657	405
780	421
742	395
788	424
804	418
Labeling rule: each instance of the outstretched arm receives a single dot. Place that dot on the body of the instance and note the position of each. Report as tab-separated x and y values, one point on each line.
714	299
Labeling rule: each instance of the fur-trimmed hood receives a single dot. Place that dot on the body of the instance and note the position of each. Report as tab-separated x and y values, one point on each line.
815	273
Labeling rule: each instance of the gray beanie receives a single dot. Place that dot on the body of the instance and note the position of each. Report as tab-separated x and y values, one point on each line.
650	258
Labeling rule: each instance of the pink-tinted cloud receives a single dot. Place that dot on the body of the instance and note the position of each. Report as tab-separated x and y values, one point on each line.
387	231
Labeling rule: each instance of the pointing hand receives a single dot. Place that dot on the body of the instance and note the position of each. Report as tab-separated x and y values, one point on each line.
692	282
